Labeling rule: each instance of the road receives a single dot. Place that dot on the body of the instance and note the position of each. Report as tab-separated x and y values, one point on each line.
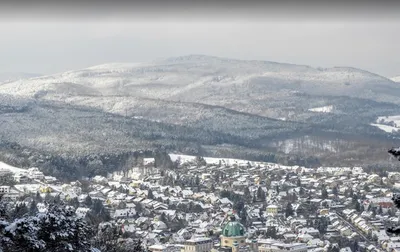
354	228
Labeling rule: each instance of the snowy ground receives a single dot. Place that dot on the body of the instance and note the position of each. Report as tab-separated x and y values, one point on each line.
211	160
11	168
383	120
325	109
385	128
387	119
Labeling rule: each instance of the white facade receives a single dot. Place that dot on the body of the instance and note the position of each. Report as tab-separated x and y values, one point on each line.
282	247
198	245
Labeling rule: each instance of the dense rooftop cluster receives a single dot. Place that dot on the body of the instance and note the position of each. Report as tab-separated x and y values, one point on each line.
211	204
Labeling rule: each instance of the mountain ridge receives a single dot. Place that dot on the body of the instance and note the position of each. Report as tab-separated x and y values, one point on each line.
205	105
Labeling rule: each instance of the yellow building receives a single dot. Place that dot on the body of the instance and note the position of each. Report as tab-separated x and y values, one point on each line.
136	183
233	235
45	189
272	210
324	211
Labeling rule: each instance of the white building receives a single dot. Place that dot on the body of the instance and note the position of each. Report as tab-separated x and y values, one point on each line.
198	244
276	246
34	173
82	211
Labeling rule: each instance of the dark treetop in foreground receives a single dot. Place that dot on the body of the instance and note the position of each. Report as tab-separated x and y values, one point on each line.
396	197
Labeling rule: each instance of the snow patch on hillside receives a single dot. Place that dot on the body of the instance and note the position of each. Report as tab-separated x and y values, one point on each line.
396	79
395	120
211	160
386	128
4	166
324	109
388	123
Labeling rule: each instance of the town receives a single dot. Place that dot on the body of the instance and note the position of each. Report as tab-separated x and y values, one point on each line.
212	204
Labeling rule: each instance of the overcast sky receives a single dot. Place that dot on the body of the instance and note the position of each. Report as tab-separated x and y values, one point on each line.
53	45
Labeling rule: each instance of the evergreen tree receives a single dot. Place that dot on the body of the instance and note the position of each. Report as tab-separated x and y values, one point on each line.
38	198
106	239
271	232
247	194
56	230
261	194
48	198
88	201
19	211
357	206
380	210
289	210
324	193
212	189
216	177
121	205
374	211
238	206
57	199
150	194
74	202
33	208
293	197
163	218
243	216
138	208
335	191
200	161
322	225
302	191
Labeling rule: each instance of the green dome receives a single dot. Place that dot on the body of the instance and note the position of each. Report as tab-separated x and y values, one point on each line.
233	228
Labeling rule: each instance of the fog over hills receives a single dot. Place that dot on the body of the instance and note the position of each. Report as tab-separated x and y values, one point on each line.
13	76
242	108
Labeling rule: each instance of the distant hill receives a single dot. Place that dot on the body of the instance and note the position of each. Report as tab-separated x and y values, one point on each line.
205	105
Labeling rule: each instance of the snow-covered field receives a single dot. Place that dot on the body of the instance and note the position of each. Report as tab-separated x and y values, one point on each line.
325	109
11	168
388	123
388	119
385	128
211	160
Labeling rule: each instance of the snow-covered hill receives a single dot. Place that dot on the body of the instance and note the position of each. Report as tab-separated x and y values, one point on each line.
179	76
194	103
257	87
